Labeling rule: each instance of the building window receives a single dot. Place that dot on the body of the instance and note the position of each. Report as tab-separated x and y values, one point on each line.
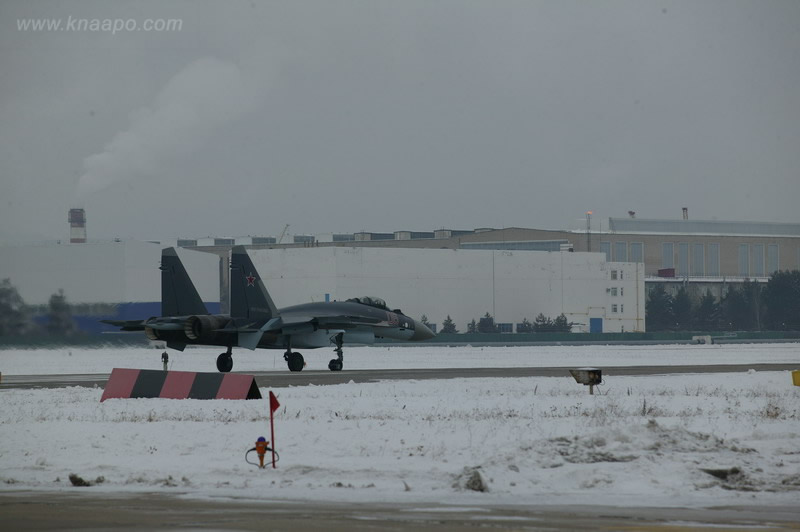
712	264
621	291
758	260
621	274
621	251
622	308
683	258
613	308
505	327
667	255
744	260
698	260
637	252
614	292
605	247
773	259
613	275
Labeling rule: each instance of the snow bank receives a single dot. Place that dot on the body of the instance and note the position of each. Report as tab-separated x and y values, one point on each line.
640	441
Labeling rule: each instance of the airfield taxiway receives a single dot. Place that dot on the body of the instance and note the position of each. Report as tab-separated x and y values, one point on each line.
283	379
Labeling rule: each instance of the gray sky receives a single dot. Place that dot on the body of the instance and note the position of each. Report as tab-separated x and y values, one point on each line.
407	115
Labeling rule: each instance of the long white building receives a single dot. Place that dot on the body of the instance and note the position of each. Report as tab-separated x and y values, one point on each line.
595	295
121	280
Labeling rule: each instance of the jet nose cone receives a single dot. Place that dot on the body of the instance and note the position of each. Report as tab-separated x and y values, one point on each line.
422	332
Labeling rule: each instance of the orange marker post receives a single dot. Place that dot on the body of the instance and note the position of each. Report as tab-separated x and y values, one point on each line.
261	450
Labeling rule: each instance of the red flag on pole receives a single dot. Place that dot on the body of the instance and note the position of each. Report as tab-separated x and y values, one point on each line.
273	402
273	406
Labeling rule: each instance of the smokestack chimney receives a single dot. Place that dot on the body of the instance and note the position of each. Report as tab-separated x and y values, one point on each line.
588	230
685	213
77	226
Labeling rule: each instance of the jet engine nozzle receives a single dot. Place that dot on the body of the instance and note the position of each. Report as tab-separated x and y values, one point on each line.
204	327
151	333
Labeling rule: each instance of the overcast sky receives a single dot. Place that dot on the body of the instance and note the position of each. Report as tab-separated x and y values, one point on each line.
341	116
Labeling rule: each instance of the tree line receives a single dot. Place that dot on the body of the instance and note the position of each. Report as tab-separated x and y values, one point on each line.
486	324
16	317
753	306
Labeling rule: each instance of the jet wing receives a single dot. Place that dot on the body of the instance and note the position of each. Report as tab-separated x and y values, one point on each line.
249	337
298	324
126	325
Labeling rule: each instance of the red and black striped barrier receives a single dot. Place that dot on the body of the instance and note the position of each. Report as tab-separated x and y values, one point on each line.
135	383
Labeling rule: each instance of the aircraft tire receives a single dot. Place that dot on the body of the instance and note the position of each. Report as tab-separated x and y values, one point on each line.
296	362
335	365
224	362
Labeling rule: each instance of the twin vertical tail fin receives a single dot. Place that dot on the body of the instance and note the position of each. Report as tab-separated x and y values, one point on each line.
179	297
249	296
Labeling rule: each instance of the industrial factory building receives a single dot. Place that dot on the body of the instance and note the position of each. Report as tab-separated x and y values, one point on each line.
121	280
594	295
597	277
699	254
669	248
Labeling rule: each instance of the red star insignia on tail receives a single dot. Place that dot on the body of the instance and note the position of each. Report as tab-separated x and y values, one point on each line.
251	280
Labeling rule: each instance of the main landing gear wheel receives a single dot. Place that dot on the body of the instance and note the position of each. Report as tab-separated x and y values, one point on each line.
295	361
225	362
337	363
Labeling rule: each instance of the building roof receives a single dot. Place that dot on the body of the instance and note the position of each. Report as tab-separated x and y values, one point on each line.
702	227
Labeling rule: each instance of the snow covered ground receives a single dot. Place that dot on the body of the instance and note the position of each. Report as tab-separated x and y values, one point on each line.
639	441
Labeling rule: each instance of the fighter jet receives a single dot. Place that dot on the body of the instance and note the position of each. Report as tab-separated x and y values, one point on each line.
255	321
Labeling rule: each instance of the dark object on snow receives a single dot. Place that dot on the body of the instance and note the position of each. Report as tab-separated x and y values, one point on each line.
475	482
79	482
723	474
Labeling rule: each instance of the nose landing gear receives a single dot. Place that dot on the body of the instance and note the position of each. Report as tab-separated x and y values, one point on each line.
337	363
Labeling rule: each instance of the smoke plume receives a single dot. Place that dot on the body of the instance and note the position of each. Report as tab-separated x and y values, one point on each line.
206	94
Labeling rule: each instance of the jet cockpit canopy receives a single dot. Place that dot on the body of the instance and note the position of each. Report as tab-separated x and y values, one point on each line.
375	302
370	301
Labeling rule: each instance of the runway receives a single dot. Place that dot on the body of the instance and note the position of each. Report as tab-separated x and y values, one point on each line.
84	510
285	378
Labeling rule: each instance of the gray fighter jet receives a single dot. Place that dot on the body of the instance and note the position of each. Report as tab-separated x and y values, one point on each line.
255	321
